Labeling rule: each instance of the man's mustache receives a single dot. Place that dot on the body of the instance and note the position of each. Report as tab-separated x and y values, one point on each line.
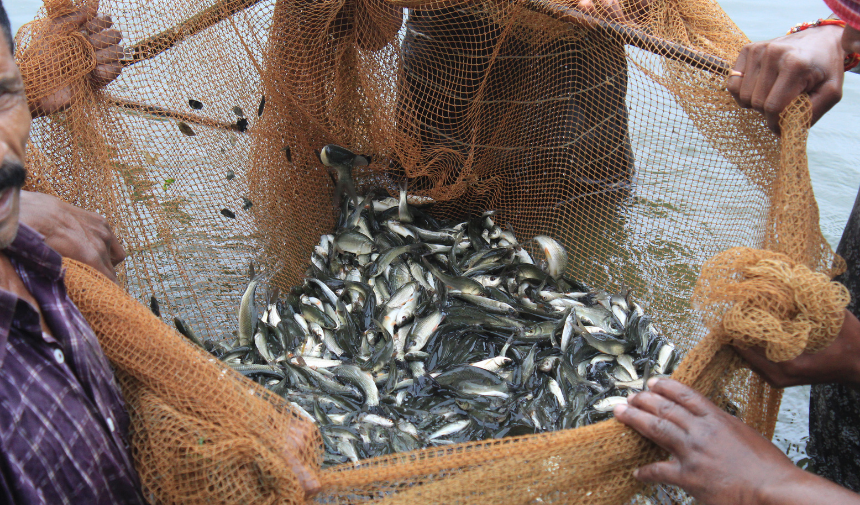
12	175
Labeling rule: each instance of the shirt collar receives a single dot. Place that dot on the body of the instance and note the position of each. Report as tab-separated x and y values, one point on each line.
30	252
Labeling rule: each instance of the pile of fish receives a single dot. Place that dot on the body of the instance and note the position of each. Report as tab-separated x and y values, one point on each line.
410	332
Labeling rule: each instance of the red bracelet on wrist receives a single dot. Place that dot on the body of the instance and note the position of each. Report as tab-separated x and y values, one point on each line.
851	60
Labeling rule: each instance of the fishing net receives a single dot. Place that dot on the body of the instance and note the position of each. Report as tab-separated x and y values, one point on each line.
613	134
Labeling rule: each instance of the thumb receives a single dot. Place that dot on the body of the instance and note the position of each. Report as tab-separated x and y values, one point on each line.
667	472
825	97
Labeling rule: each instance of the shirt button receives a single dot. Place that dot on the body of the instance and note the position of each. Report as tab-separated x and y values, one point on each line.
110	424
58	355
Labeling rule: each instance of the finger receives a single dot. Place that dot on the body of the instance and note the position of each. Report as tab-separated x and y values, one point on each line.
667	472
100	260
587	7
99	23
110	54
734	83
661	431
684	396
778	375
770	72
105	39
758	363
105	74
613	10
116	250
784	90
661	407
66	17
748	84
826	97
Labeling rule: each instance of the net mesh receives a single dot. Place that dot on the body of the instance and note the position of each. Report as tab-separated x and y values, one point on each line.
616	137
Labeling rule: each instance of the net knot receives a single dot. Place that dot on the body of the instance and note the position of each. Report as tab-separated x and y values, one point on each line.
752	297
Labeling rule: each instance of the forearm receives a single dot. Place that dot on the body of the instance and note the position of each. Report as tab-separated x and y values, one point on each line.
849	335
804	488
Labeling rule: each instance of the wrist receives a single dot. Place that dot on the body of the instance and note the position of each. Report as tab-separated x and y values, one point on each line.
836	28
783	487
849	336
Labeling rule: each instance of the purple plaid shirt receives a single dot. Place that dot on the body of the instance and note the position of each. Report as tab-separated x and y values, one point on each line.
63	425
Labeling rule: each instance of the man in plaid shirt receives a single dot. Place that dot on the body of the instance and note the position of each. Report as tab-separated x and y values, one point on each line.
63	425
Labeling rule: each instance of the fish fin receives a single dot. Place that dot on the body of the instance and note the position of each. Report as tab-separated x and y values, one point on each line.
273	295
251	273
361	160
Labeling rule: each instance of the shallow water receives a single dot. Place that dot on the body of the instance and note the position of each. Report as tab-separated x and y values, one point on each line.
834	175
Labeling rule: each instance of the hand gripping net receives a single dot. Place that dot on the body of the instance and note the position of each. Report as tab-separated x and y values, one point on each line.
618	138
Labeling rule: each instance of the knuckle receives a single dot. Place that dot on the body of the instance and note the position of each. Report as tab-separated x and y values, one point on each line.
665	409
687	396
661	428
832	91
772	108
795	65
759	50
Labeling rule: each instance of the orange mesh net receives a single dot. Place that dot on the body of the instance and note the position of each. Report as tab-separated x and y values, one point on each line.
616	137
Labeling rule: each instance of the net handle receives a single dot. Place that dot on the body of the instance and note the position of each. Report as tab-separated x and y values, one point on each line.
222	9
631	36
161	112
151	47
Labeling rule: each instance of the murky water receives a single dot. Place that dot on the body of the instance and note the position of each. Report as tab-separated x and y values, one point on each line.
831	145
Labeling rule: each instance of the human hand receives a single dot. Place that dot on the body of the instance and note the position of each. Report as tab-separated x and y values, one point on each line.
775	72
716	458
839	362
105	40
73	232
615	10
